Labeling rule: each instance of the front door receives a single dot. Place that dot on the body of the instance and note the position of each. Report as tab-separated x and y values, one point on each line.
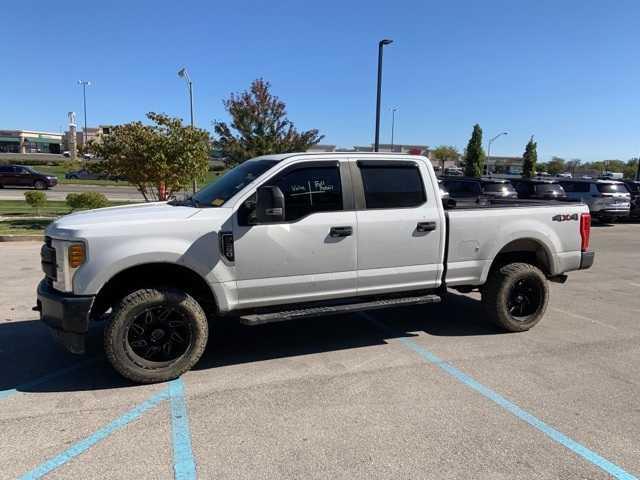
400	228
312	254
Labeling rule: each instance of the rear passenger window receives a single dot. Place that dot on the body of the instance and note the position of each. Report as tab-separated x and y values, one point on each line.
392	187
576	186
310	190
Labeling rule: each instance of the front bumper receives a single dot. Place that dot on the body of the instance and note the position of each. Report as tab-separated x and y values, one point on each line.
66	315
586	260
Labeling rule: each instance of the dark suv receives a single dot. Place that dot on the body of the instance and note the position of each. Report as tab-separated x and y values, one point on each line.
467	188
21	176
538	188
634	189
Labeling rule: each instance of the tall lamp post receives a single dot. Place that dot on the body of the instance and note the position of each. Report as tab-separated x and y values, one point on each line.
182	73
393	124
381	45
85	84
491	140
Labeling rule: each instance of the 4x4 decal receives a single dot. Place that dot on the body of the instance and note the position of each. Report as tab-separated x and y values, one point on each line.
565	217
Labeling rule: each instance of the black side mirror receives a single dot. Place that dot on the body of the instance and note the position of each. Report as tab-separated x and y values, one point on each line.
270	205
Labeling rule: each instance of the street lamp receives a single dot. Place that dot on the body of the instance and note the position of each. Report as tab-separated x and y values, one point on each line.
182	73
489	147
381	45
85	84
393	124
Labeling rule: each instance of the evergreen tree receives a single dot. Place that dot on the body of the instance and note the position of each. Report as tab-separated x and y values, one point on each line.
474	156
529	159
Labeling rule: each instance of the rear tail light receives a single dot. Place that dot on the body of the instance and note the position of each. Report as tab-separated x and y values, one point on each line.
585	231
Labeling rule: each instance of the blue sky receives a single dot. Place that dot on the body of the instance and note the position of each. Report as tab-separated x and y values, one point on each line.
566	71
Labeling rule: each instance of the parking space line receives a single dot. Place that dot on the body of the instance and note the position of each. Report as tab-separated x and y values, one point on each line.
83	445
184	465
589	455
50	376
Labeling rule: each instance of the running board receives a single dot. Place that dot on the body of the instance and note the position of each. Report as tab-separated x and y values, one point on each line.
281	316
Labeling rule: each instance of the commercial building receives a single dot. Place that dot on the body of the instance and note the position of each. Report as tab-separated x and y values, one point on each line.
30	141
504	165
92	134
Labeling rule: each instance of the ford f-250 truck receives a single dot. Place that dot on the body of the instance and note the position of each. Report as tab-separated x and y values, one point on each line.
288	236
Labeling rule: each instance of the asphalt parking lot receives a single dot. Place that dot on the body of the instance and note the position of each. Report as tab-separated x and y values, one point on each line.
423	392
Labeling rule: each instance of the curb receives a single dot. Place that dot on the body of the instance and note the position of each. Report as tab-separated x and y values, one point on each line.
21	238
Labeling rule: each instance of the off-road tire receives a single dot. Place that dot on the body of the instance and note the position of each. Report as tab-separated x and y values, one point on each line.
501	284
137	369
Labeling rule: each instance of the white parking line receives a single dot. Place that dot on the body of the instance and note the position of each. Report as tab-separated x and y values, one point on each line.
582	317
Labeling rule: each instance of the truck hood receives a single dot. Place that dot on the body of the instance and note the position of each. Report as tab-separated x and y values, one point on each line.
139	214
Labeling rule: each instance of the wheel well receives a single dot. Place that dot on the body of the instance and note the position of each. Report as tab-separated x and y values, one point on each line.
153	275
524	250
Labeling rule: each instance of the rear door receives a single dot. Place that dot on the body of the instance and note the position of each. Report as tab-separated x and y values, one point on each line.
400	226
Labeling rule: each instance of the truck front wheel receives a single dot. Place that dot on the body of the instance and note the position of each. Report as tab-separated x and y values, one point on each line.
515	296
156	335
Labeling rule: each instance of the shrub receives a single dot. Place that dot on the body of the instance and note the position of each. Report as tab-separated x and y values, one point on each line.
87	200
35	199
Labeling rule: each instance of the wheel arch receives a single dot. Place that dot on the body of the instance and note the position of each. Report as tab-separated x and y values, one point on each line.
526	250
156	274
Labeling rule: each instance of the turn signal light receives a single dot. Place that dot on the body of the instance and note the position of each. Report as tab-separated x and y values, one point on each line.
76	255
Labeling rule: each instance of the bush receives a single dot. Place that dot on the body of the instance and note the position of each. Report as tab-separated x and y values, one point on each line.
35	199
87	200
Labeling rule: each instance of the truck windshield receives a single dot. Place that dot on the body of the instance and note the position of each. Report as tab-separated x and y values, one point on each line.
217	193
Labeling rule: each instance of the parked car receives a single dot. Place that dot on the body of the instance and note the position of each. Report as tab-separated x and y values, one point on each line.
460	187
607	199
634	189
498	188
291	236
24	176
543	189
454	171
83	174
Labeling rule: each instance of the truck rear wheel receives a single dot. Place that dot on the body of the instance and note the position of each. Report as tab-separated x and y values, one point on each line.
516	296
156	335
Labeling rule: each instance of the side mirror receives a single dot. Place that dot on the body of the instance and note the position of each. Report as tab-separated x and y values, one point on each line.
269	205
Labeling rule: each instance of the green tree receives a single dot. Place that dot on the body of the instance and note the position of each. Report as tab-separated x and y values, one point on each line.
159	159
445	153
555	166
474	155
631	169
36	200
529	159
259	126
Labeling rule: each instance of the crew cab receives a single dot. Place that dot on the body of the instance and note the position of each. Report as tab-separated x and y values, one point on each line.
290	236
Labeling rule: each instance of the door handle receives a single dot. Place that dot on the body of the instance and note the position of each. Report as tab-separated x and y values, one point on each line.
337	232
426	226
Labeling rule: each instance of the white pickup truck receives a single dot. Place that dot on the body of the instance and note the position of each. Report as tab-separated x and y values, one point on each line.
288	236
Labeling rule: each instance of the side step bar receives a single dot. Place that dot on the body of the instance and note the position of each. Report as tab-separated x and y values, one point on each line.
281	316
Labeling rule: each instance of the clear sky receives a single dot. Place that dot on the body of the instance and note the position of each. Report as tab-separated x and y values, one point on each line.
567	71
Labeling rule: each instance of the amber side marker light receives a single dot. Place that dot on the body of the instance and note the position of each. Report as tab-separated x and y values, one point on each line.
76	255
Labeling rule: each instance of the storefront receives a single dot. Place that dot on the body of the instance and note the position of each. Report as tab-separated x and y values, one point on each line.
30	141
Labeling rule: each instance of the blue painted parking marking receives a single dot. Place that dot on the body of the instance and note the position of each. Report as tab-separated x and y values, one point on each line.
184	465
46	378
589	455
83	445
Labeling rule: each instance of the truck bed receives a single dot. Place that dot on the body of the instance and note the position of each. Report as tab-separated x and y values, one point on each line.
487	202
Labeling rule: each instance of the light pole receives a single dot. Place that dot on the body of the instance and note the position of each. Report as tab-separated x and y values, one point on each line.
393	124
85	84
381	45
491	140
182	73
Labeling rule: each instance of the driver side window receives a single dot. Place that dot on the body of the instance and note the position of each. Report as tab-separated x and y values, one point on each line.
310	190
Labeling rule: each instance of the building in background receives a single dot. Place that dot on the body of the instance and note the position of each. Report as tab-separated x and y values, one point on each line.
503	165
93	134
30	141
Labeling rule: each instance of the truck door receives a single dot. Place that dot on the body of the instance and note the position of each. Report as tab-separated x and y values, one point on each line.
309	256
400	227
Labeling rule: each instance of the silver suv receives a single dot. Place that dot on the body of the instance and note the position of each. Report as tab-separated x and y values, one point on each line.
607	199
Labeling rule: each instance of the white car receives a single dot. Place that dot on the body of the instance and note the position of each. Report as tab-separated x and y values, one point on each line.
290	236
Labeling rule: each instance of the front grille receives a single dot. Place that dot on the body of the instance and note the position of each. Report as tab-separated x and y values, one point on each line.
48	260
